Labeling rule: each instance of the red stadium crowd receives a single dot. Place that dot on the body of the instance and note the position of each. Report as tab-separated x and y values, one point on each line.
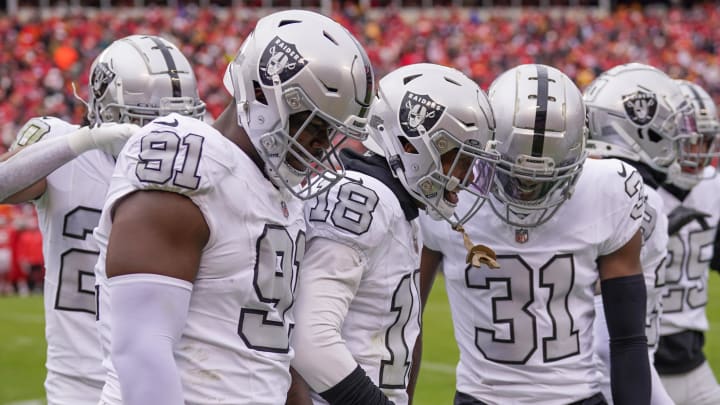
46	55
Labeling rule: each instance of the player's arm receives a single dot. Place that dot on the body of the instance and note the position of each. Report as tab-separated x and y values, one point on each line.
299	392
624	300
29	193
429	263
152	260
23	171
330	276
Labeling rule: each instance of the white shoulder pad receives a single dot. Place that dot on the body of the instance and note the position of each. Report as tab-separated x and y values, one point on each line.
617	196
41	128
176	154
655	233
358	211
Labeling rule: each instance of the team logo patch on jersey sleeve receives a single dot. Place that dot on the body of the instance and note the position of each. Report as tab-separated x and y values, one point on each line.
640	107
280	58
419	110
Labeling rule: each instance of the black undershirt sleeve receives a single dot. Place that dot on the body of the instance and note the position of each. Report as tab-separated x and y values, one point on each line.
356	389
625	300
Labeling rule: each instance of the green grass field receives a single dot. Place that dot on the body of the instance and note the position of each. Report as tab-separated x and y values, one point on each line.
22	347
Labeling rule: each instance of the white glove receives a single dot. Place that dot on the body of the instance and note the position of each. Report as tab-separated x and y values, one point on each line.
109	138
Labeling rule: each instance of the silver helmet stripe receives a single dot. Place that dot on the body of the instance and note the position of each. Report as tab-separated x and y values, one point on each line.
172	68
541	112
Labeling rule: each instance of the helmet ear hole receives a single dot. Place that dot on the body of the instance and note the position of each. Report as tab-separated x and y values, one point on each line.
654	136
259	95
407	146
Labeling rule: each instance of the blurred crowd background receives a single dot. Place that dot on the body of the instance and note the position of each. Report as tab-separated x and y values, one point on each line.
46	56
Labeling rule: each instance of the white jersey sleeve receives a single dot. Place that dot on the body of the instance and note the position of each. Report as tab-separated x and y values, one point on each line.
625	209
352	213
329	280
159	157
38	128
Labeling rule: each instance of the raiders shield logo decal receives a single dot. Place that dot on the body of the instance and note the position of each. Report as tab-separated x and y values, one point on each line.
101	78
280	58
640	107
419	110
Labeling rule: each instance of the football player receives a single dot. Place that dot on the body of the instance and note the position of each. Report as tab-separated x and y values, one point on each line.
604	99
65	170
673	149
358	306
525	330
201	235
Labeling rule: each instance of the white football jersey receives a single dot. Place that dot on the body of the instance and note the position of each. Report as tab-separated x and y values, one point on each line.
689	255
235	345
68	212
383	320
525	331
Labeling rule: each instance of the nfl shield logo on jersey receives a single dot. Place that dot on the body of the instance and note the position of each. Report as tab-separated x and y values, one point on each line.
640	107
418	110
521	235
282	59
284	207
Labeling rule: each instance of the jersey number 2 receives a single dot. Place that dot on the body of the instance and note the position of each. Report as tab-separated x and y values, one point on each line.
76	281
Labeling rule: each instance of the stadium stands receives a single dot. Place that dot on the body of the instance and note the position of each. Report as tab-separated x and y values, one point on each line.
47	50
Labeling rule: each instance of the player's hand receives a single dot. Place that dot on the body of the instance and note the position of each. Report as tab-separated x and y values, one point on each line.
111	137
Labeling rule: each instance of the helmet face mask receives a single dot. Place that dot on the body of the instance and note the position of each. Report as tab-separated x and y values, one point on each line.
283	69
541	137
139	78
433	125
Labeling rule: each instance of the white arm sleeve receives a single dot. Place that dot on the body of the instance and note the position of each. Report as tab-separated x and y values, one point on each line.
35	162
147	317
328	281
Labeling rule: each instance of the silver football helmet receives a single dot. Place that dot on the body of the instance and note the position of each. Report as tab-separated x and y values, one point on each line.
421	113
139	78
637	112
696	158
541	138
300	61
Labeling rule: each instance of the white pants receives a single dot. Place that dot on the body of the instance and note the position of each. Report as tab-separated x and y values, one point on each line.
602	352
696	387
62	389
